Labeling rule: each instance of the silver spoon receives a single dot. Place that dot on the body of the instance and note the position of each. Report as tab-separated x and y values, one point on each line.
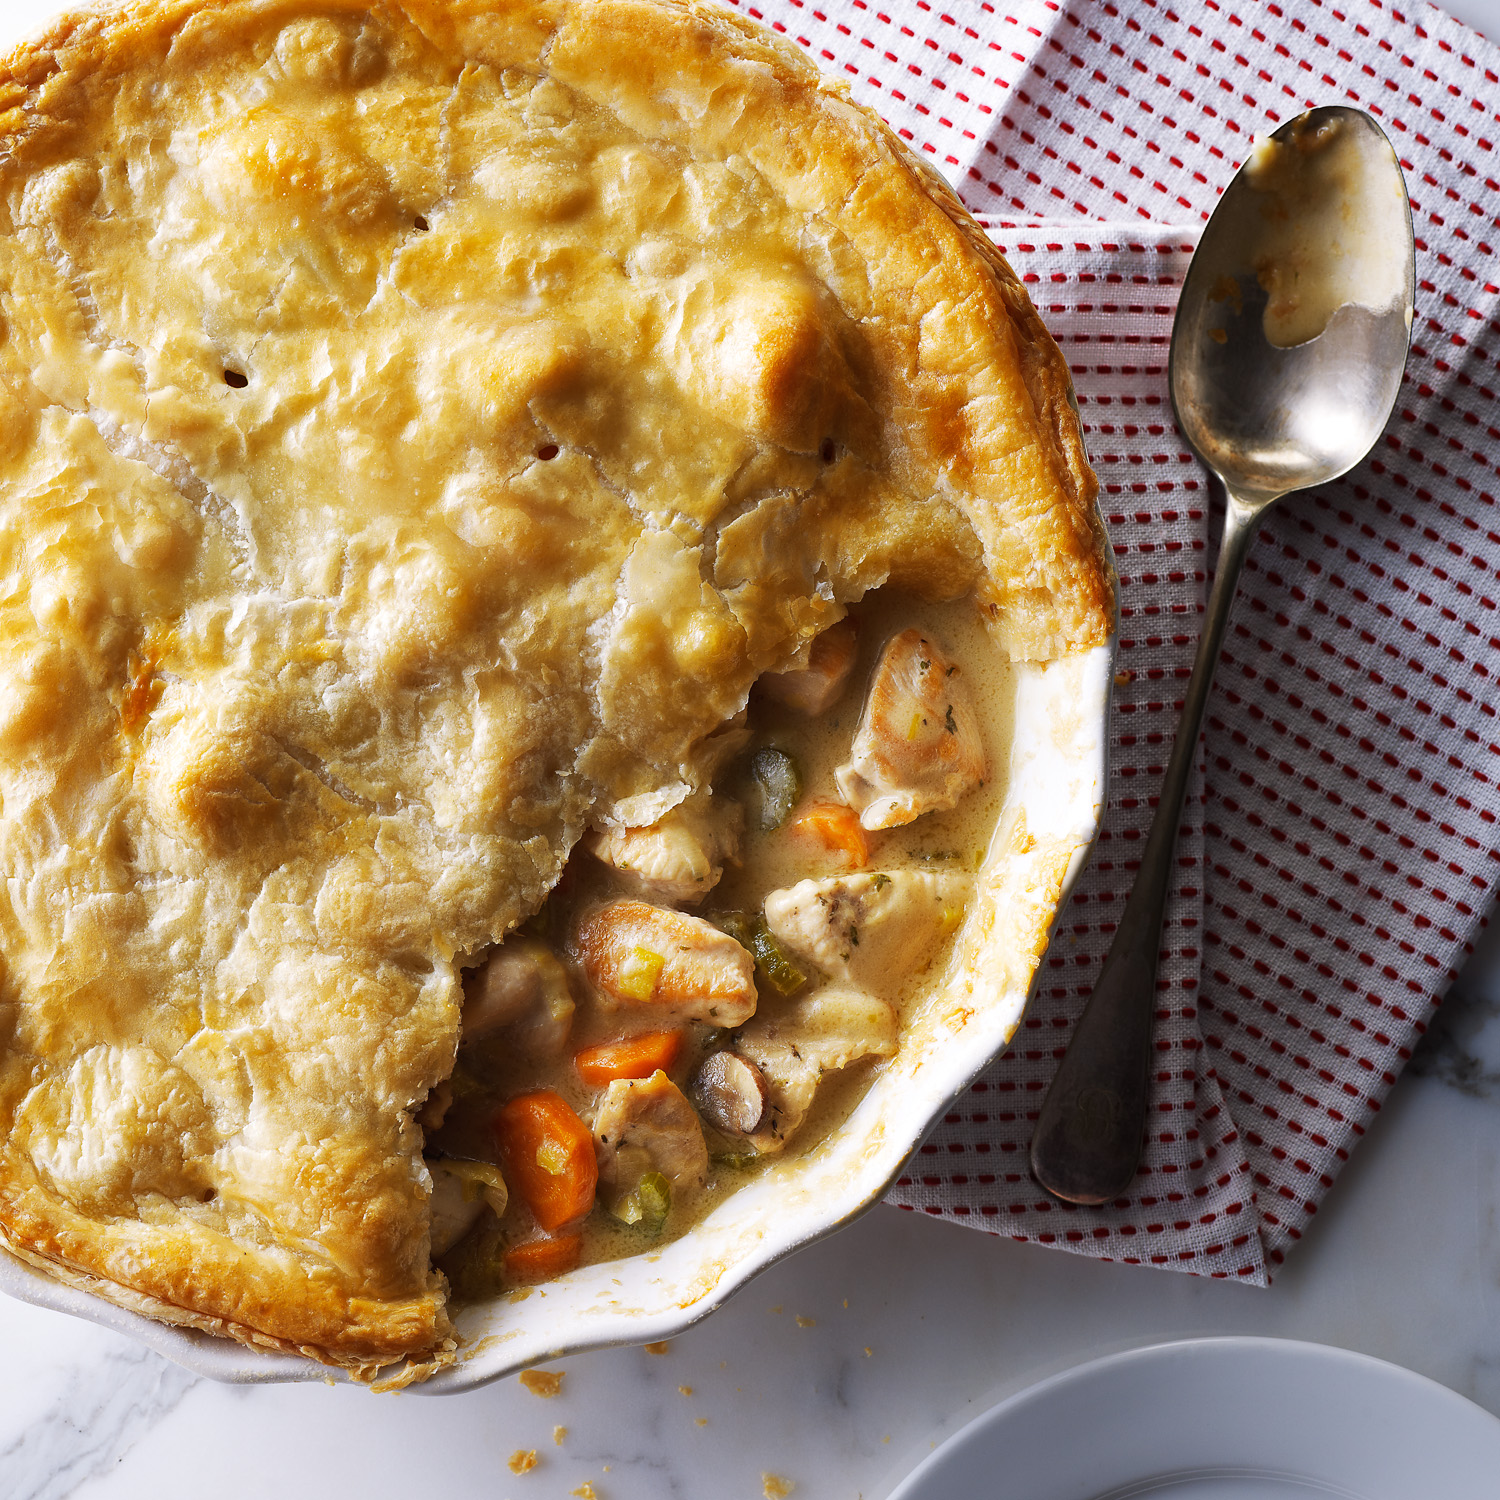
1311	245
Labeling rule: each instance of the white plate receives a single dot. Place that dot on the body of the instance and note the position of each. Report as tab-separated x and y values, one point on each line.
1222	1419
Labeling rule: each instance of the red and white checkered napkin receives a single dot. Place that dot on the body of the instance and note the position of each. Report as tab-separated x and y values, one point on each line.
1339	853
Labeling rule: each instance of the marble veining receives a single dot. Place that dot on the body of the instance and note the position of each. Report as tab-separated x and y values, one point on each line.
96	1417
1462	1044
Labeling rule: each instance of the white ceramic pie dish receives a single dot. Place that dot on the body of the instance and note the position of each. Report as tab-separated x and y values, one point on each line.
1057	779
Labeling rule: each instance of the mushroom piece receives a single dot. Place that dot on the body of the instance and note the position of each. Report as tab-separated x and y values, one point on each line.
730	1093
675	964
646	1126
815	688
794	1050
918	747
871	928
521	988
681	856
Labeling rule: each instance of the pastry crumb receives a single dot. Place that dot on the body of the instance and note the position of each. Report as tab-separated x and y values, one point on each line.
868	1351
522	1461
700	1421
660	1348
777	1308
774	1487
846	1302
558	1434
585	1491
806	1322
545	1383
685	1390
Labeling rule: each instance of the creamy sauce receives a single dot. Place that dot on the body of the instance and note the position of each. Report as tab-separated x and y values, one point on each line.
953	840
1306	227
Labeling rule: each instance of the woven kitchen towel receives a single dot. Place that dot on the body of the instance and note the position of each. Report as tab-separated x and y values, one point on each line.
1338	852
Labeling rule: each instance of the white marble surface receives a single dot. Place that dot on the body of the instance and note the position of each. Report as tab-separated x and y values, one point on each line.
1403	1263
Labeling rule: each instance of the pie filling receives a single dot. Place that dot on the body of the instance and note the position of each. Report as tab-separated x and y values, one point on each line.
714	990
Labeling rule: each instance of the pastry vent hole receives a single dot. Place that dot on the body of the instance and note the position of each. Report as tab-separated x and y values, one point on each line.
421	222
208	1195
547	452
827	451
237	379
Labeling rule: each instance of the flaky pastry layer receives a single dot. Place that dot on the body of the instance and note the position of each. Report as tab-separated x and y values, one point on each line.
420	424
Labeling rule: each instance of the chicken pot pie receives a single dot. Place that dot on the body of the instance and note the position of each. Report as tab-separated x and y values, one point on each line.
446	452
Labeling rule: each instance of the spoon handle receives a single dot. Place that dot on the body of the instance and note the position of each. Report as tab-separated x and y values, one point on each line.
1088	1136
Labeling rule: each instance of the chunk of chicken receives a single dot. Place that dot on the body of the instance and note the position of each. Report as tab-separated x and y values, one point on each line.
870	929
822	1033
647	1125
521	988
681	856
461	1190
453	1214
678	965
918	747
815	688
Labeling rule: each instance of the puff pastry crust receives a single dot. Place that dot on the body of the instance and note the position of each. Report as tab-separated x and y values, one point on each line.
420	423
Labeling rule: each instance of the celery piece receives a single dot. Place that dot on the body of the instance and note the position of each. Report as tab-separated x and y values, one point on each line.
741	926
777	784
738	924
648	1204
776	965
775	962
655	1194
737	1161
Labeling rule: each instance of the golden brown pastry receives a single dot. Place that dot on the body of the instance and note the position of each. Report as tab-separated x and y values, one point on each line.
420	423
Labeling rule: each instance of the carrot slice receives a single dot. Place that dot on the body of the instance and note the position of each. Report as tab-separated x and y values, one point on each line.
836	828
549	1157
630	1057
539	1260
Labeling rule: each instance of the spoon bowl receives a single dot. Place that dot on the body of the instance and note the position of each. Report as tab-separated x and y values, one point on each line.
1268	418
1287	355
